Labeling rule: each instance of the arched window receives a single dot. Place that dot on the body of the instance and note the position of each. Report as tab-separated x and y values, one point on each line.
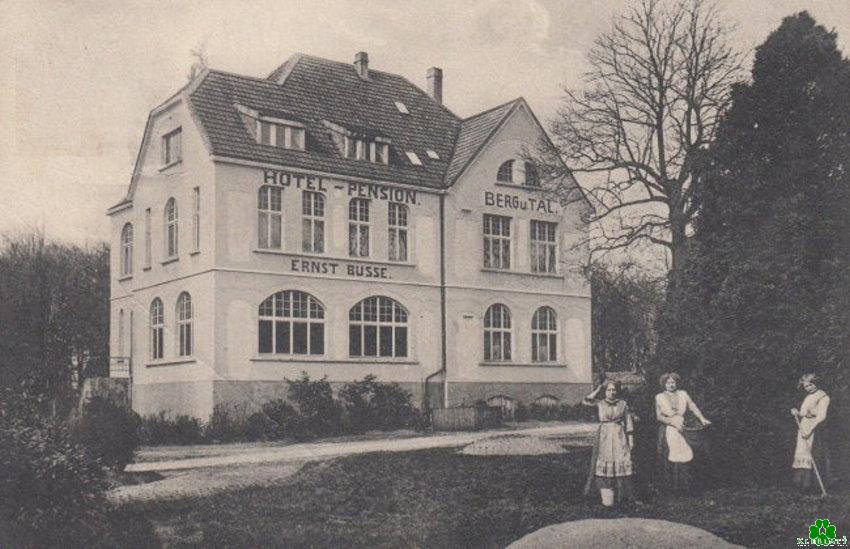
397	231
358	227
532	179
506	172
127	250
544	335
505	404
157	328
184	325
546	401
377	326
269	217
497	333
170	228
292	323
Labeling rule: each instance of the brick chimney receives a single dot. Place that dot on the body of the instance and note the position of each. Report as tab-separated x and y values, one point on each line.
435	84
361	64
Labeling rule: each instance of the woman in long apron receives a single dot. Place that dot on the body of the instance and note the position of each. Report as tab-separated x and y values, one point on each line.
675	454
611	461
812	442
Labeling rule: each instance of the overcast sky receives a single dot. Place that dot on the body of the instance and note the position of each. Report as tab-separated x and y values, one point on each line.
82	75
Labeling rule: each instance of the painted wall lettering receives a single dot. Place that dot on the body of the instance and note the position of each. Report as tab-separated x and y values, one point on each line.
297	180
515	202
313	266
382	192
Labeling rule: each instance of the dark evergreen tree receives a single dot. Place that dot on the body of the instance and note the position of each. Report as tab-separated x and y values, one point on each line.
764	297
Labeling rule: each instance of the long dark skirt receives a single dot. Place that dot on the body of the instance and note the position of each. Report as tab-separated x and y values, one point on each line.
676	478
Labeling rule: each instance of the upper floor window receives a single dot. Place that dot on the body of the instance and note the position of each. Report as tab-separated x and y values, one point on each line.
292	323
397	231
196	219
147	238
497	333
127	250
184	325
506	172
377	326
313	224
497	242
532	179
358	227
172	147
544	335
270	217
170	232
544	236
157	329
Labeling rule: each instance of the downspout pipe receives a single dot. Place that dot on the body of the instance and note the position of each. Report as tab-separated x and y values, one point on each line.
445	393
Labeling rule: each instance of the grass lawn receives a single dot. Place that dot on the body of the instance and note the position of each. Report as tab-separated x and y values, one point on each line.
440	498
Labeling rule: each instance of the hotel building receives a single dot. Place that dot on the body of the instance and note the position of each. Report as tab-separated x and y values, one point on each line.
338	220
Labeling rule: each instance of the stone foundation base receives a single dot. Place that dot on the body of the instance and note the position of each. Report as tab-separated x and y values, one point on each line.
198	398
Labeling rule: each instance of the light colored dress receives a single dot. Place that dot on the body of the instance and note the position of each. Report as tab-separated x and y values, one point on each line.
614	457
812	412
672	407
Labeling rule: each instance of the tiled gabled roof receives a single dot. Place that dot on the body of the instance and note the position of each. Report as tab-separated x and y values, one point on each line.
474	133
317	90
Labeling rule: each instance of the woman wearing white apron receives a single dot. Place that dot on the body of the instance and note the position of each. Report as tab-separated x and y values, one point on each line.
674	451
812	442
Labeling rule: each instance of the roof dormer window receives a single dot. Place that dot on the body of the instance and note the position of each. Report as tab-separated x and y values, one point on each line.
361	144
402	108
274	129
432	154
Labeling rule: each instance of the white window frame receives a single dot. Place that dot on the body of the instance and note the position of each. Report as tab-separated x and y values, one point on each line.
196	219
156	321
544	335
148	243
378	314
172	147
497	333
313	222
497	242
127	250
270	218
543	246
286	309
358	227
184	315
292	132
171	229
398	243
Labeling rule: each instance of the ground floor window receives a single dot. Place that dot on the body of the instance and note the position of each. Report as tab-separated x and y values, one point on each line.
377	327
292	323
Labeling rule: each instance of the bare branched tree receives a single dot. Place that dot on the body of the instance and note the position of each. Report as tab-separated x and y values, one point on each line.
659	81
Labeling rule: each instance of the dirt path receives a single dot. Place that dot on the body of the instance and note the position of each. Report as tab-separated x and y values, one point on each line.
621	532
186	458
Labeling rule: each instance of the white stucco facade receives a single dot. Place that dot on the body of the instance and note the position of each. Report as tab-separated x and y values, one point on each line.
445	291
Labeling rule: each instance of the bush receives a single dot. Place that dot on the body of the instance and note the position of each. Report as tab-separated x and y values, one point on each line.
52	488
319	413
228	422
162	429
372	405
283	416
108	431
